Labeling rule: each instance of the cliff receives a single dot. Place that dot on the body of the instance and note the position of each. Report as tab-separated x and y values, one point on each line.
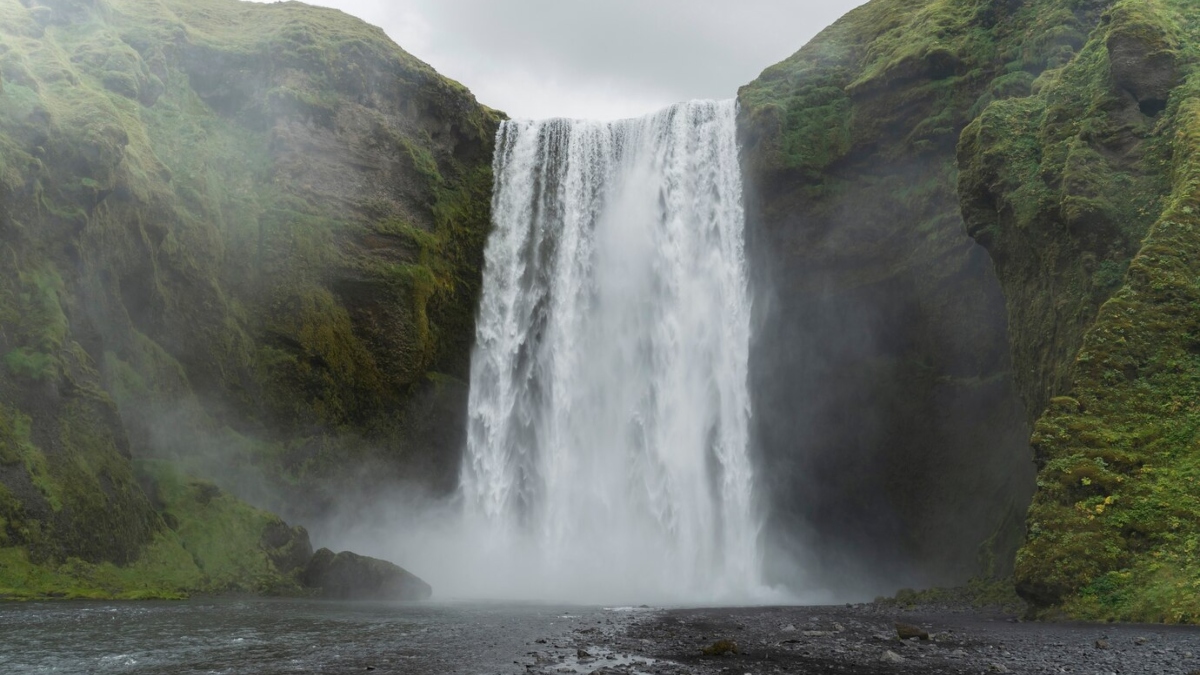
1086	194
244	239
1059	136
884	395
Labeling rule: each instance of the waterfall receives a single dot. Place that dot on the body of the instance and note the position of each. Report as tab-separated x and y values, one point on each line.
609	412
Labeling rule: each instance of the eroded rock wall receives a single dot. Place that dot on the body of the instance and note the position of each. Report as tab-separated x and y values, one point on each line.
889	419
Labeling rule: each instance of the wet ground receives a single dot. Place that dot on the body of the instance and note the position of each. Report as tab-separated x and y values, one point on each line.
287	636
291	636
863	640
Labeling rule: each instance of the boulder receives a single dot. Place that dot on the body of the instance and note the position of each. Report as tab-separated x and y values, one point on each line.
287	547
349	576
910	632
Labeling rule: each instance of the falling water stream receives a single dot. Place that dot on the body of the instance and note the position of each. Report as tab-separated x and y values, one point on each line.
609	412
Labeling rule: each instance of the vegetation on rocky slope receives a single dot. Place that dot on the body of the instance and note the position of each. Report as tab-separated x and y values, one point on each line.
1108	207
244	238
1075	169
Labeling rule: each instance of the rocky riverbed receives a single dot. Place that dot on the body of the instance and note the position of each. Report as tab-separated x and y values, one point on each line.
864	640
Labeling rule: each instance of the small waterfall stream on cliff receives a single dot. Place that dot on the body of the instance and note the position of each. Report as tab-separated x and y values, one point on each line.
609	413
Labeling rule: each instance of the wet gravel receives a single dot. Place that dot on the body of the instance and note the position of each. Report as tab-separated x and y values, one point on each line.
863	639
291	636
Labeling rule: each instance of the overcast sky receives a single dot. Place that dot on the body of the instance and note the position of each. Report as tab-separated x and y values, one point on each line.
599	59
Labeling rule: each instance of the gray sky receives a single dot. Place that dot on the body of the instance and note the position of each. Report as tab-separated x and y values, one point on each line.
598	59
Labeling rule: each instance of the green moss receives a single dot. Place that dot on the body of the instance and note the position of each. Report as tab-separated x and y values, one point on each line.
174	247
37	324
165	573
222	534
980	592
1113	531
16	447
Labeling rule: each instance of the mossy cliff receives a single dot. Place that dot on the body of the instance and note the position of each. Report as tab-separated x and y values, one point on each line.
243	238
1087	193
1061	136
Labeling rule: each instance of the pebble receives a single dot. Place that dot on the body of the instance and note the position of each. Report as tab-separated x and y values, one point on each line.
978	643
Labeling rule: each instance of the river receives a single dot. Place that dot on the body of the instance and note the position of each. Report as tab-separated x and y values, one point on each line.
299	636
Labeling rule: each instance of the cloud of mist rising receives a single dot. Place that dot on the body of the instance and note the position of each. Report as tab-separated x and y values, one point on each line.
470	560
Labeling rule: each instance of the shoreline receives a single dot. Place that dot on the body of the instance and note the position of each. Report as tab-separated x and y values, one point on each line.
862	640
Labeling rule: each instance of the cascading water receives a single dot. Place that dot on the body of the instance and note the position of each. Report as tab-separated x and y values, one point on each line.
609	412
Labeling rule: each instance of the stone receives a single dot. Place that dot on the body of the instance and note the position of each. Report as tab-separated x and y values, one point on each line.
720	648
349	576
910	632
890	656
288	548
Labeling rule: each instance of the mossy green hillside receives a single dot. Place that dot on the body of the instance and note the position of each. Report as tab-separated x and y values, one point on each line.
1114	527
206	542
235	546
246	237
1060	187
899	78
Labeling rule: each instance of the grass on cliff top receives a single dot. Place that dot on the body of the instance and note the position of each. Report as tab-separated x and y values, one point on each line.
310	34
889	60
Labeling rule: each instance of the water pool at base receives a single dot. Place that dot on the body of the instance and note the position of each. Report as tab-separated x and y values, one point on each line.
286	636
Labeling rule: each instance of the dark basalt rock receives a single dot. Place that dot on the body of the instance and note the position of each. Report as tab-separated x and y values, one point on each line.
288	547
349	576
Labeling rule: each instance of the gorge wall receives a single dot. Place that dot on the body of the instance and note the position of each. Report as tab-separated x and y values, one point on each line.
1060	136
244	240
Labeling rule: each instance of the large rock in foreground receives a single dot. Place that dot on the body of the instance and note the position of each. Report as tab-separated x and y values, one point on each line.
349	576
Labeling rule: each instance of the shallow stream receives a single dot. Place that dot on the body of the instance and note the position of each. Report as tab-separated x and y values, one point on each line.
293	636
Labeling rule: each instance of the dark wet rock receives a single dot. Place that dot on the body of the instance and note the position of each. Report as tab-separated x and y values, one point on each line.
910	632
349	576
289	548
1143	62
720	648
969	640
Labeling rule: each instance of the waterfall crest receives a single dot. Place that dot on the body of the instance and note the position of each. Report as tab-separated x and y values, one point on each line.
609	411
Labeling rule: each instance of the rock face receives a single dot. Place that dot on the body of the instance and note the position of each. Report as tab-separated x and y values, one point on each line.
1061	137
348	576
1085	194
889	426
244	238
